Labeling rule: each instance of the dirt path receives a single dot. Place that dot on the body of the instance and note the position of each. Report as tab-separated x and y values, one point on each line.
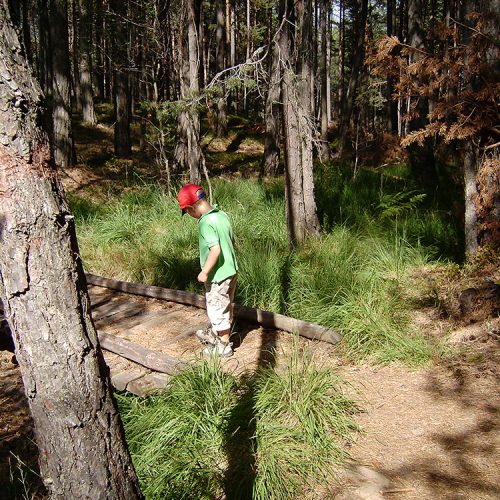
431	434
427	434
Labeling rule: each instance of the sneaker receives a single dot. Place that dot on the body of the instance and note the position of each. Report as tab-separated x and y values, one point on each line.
206	336
220	348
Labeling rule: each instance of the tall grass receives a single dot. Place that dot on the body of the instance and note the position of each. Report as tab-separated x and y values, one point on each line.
355	277
269	437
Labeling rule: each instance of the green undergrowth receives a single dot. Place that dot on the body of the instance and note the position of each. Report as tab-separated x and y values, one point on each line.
211	434
355	277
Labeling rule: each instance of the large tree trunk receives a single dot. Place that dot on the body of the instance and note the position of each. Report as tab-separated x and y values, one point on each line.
188	154
42	285
121	91
84	66
296	51
61	111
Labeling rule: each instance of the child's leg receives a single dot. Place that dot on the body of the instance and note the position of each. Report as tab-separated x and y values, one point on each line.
219	298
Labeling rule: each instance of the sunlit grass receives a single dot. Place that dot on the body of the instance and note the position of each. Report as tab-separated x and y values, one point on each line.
210	434
354	277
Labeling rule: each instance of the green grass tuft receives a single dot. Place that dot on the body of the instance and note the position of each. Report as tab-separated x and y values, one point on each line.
210	433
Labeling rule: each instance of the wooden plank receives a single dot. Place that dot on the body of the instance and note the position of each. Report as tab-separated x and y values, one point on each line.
151	382
115	307
155	318
265	318
146	357
121	379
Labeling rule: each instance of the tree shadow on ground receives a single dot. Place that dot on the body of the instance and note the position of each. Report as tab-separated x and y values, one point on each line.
240	440
455	465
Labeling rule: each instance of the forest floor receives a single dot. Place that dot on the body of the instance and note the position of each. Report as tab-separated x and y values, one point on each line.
427	433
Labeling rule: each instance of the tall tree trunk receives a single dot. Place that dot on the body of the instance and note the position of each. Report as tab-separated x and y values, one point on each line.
74	50
341	88
61	111
422	161
44	72
392	112
188	154
357	66
220	57
99	50
82	452
471	229
324	150
329	65
296	52
232	36
84	38
271	158
121	91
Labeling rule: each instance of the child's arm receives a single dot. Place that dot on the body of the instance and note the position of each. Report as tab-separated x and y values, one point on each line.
213	255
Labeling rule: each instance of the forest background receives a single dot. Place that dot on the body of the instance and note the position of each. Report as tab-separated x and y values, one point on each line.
354	143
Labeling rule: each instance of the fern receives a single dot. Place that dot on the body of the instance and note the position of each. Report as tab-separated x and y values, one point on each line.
394	205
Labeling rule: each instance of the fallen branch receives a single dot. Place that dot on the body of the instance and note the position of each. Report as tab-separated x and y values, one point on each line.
265	318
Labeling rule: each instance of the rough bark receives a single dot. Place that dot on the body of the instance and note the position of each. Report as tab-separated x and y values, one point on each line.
188	154
42	285
62	147
296	51
84	63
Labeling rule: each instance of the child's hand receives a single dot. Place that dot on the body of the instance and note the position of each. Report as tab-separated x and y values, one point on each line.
202	277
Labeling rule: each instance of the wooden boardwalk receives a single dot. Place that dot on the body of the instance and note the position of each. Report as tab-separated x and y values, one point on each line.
169	328
160	334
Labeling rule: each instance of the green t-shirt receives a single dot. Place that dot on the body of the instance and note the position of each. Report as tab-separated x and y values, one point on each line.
215	229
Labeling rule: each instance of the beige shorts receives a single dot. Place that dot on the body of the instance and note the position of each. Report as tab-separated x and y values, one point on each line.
220	298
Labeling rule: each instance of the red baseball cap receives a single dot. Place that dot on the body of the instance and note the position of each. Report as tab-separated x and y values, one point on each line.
189	195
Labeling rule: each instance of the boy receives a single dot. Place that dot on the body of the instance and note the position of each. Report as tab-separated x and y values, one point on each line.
218	267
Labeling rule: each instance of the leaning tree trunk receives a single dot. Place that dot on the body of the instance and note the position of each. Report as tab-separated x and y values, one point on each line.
296	51
188	154
42	286
61	111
